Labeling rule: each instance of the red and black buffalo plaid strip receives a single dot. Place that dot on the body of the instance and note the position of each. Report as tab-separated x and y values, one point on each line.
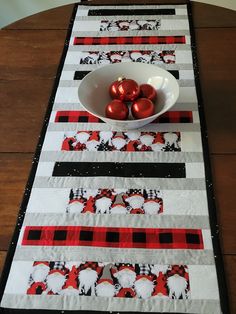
128	40
84	116
149	238
115	12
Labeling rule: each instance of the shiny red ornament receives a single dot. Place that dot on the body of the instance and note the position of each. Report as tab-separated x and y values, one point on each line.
113	89
117	110
142	108
128	90
148	91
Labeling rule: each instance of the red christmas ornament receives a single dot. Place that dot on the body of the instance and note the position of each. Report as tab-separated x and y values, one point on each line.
148	91
142	108
117	110
128	90
113	89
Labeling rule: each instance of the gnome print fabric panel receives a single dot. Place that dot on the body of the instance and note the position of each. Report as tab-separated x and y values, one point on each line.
118	220
110	280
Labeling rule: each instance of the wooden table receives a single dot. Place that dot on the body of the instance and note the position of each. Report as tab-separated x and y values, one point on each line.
29	57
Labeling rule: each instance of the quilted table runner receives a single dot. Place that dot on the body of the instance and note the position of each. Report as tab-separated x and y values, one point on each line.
117	220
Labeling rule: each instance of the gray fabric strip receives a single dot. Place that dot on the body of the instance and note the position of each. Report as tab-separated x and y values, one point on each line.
118	182
98	33
130	17
185	47
92	303
121	156
90	67
156	127
117	255
76	83
117	220
76	106
136	6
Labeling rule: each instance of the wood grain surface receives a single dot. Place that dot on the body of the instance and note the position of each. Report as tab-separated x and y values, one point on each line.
29	56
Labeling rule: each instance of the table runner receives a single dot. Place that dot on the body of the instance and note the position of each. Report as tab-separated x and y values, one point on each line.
117	220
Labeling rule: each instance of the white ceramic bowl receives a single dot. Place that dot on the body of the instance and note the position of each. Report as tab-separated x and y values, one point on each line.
94	90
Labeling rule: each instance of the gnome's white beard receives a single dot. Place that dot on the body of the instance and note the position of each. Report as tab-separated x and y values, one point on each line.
144	288
82	137
75	207
105	289
105	136
157	147
55	282
118	209
92	145
87	279
133	136
40	273
103	204
126	278
151	207
135	201
118	142
177	285
69	291
146	140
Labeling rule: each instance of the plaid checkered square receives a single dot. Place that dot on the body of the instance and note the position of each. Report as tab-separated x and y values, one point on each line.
149	238
128	40
84	116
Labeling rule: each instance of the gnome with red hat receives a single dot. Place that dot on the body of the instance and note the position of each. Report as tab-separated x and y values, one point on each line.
68	143
158	144
177	282
146	140
144	286
118	207
56	278
105	286
89	273
38	278
152	204
125	275
135	200
71	284
93	142
119	141
81	140
133	140
103	201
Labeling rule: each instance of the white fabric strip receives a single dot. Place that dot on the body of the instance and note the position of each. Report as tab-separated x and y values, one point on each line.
117	182
175	202
90	67
116	304
155	127
115	255
117	220
86	156
177	18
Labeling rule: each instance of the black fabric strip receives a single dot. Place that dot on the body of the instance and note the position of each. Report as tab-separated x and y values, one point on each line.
79	75
109	12
113	169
